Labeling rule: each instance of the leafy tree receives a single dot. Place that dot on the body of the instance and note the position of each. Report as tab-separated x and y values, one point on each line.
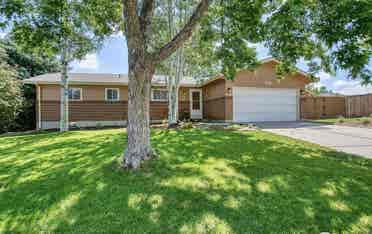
144	56
27	66
62	29
10	94
319	90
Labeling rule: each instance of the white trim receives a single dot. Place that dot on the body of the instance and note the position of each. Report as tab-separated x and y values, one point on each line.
200	115
298	104
117	89
158	100
39	107
81	94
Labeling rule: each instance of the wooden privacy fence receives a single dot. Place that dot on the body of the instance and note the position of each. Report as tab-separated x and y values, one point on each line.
359	105
322	107
335	106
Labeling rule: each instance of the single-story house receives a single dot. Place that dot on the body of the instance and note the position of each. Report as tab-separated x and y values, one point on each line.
101	99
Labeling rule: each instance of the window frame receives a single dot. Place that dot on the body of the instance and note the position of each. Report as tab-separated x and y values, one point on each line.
159	100
106	98
81	94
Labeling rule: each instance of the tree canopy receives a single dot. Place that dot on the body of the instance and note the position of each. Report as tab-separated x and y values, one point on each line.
328	35
47	27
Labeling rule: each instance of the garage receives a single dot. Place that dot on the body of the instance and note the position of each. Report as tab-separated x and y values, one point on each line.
264	104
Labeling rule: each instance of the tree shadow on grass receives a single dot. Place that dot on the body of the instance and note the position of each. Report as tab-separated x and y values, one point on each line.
204	181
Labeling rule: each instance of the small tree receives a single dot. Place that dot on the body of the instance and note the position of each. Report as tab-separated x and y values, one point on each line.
176	14
10	94
63	29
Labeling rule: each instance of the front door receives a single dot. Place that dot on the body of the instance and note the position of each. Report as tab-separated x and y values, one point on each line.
196	108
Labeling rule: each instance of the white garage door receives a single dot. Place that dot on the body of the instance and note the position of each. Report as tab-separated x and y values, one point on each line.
264	104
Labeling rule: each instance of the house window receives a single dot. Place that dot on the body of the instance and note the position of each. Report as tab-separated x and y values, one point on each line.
159	95
112	94
74	94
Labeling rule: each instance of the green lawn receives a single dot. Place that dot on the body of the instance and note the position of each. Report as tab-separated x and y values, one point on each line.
204	181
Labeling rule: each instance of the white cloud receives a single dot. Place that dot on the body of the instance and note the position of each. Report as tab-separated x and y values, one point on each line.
339	84
2	34
353	90
89	62
324	75
350	87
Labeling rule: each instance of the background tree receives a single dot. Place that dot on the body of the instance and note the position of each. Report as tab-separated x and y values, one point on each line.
327	35
319	90
62	29
10	94
26	66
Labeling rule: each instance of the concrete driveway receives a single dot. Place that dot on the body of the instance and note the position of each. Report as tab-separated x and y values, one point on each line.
352	140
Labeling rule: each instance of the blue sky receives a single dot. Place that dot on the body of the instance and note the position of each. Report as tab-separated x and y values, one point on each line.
113	58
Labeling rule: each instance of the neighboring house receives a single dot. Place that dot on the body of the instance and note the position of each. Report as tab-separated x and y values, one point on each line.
101	99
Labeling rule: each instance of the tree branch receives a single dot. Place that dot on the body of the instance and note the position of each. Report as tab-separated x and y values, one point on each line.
185	33
147	11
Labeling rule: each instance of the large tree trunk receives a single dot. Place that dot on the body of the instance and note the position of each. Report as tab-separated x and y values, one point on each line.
138	130
64	121
142	64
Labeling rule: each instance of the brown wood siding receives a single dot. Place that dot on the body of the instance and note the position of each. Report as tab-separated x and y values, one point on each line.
265	77
158	110
229	108
214	104
50	110
89	92
104	111
183	110
359	105
214	109
322	107
97	92
50	92
98	111
184	94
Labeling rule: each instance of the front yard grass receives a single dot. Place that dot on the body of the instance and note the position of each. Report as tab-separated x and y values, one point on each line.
204	181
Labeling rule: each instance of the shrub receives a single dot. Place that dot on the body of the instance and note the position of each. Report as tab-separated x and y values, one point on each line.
341	119
10	95
366	121
187	125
